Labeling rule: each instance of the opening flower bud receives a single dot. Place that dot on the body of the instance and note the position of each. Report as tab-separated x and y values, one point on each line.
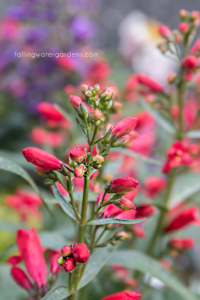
60	261
97	114
81	253
70	264
75	101
98	159
78	153
66	251
122	235
79	171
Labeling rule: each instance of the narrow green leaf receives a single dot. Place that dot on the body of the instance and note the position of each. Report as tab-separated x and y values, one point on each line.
10	166
82	129
95	264
115	221
51	239
58	293
185	186
136	155
67	208
136	260
194	134
165	124
63	112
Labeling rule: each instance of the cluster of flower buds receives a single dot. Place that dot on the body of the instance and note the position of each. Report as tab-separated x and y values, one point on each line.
77	155
73	255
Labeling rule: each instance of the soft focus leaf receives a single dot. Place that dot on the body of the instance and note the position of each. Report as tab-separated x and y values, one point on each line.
194	134
82	129
138	261
185	186
52	240
136	156
67	208
165	124
10	166
58	293
115	221
96	261
63	112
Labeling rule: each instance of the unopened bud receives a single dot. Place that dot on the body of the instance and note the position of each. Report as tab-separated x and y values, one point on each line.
60	261
108	177
189	63
184	15
183	27
96	87
81	253
49	181
88	94
113	242
83	111
125	204
172	78
107	94
108	105
165	32
84	88
97	114
117	106
179	38
72	163
75	101
78	153
79	171
97	166
194	15
66	250
150	99
117	143
98	159
188	76
122	235
70	264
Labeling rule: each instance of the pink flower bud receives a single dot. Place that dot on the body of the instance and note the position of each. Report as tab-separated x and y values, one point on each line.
81	253
78	153
183	13
126	295
183	27
150	83
75	101
84	88
66	251
42	159
79	171
179	38
125	204
48	111
60	261
165	32
172	78
97	114
70	264
122	235
195	15
117	106
21	278
123	127
189	63
181	244
99	159
121	185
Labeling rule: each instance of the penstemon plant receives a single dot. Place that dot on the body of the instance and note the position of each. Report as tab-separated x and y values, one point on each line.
98	225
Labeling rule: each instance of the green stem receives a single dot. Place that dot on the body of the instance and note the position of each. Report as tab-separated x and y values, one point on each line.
181	89
70	281
72	200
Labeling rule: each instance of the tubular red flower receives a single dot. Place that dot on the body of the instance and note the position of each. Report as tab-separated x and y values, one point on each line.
122	185
32	252
150	83
126	295
42	159
181	244
75	101
164	31
185	218
145	210
78	153
48	111
189	63
81	253
124	126
21	278
70	264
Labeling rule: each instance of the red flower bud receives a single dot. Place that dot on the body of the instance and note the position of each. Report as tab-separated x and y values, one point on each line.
84	88
78	153
181	243
138	231
154	185
81	253
195	15
172	78
98	159
122	185
79	171
42	159
97	114
75	101
183	27
189	63
66	251
126	295
122	235
125	204
124	126
48	111
188	76
150	83
187	216
70	264
144	211
165	32
21	278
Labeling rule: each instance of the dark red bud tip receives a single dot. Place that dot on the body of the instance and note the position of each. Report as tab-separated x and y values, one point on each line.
81	253
70	264
189	63
42	159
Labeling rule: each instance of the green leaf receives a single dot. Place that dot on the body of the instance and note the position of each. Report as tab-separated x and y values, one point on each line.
96	261
82	129
63	112
194	134
10	166
115	221
58	293
67	208
51	239
138	261
165	124
136	155
185	186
